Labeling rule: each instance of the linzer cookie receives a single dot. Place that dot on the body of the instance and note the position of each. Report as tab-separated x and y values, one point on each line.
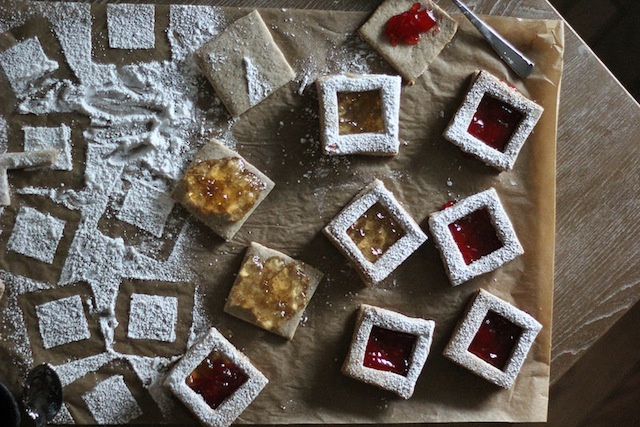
359	114
409	35
492	339
388	349
375	233
272	290
474	236
215	380
221	188
493	122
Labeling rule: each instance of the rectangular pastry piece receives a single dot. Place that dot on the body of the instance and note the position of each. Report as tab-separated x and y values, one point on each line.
215	380
272	290
493	339
474	236
390	31
359	114
493	122
221	188
388	349
244	64
375	233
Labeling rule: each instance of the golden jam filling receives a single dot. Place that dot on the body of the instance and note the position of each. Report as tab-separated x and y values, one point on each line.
223	187
271	290
375	232
360	112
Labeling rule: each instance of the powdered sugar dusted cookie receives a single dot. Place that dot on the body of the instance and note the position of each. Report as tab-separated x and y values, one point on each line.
244	64
27	159
492	339
391	31
214	359
359	114
474	236
221	188
375	233
493	122
272	290
388	349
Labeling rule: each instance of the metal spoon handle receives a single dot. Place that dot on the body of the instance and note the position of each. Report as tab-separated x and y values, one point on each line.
519	63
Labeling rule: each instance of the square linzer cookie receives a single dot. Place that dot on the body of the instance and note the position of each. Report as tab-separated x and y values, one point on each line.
388	349
215	380
272	290
474	236
221	188
375	233
493	122
408	34
244	64
359	114
492	339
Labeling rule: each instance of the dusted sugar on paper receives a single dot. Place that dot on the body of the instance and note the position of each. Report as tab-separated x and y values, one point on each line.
153	317
26	62
62	321
146	207
36	235
111	402
131	26
46	138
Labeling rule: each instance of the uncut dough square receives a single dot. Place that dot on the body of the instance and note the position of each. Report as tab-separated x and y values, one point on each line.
268	301
409	60
244	64
222	225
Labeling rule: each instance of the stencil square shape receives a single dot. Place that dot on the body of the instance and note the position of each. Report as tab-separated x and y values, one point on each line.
234	405
36	235
153	317
48	138
396	254
146	207
244	64
122	407
62	321
385	143
370	317
457	269
131	26
25	62
457	349
486	85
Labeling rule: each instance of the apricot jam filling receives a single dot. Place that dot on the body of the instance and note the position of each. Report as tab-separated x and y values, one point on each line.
475	235
360	112
389	350
375	232
271	290
495	340
216	379
494	122
223	187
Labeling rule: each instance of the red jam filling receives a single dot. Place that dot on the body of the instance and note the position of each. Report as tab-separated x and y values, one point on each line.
407	26
389	350
215	379
494	122
475	235
495	340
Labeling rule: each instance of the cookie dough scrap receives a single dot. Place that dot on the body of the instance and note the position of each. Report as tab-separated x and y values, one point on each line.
410	60
244	64
23	160
272	290
221	189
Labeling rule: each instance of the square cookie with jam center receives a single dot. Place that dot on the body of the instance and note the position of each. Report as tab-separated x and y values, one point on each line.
244	64
375	233
388	349
272	290
391	32
493	339
474	236
221	188
493	122
215	380
359	114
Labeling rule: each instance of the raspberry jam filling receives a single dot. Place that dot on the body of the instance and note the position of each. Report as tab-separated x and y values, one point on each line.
475	235
389	350
375	232
494	122
495	340
215	379
406	27
360	112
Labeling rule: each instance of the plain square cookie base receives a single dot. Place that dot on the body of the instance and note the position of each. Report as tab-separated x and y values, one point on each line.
410	61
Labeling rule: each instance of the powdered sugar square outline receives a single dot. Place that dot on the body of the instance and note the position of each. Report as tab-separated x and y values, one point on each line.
24	63
62	321
146	207
153	317
111	402
45	138
131	26
36	235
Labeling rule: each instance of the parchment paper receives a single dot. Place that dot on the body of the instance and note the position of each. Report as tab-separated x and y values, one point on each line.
280	136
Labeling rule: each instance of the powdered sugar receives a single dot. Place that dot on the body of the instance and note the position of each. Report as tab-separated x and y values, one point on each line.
146	208
36	235
259	88
111	402
62	321
43	138
25	63
131	26
153	317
